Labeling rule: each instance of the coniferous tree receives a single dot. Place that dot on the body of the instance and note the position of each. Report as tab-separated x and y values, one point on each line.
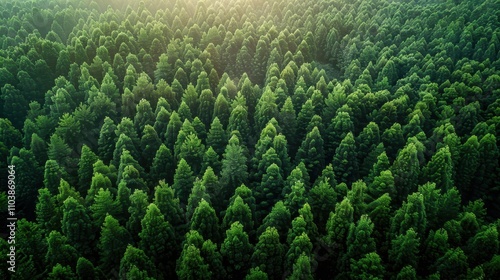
236	250
238	211
113	242
183	181
136	259
157	240
311	153
216	137
404	250
344	161
77	226
205	221
234	168
269	252
192	265
405	170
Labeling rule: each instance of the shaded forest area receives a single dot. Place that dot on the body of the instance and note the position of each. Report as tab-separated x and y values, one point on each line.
252	139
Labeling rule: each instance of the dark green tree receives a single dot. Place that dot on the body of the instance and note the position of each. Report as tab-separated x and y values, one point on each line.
112	242
269	253
77	226
344	161
157	240
136	259
183	181
162	167
205	221
236	250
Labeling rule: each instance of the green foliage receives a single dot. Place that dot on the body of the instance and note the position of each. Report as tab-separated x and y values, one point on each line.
389	109
236	249
268	254
113	242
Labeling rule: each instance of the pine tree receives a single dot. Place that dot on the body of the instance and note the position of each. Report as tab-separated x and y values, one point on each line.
122	202
453	265
162	167
173	128
48	215
157	240
266	109
302	269
256	274
439	169
61	272
222	110
168	204
383	183
53	174
198	193
192	266
287	118
238	211
102	206
303	119
269	190
138	204
58	251
107	140
360	242
128	161
183	181
300	246
404	250
435	247
216	137
238	121
345	162
234	168
112	243
85	269
469	162
405	170
59	151
337	227
211	159
192	151
488	166
337	129
77	226
206	108
150	142
210	252
412	215
236	250
269	252
199	128
85	167
278	218
205	221
483	246
322	199
311	153
124	143
135	258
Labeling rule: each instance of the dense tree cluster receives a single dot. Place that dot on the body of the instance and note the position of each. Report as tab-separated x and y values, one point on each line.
252	139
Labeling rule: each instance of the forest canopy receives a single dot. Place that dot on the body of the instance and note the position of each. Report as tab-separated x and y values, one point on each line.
251	139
